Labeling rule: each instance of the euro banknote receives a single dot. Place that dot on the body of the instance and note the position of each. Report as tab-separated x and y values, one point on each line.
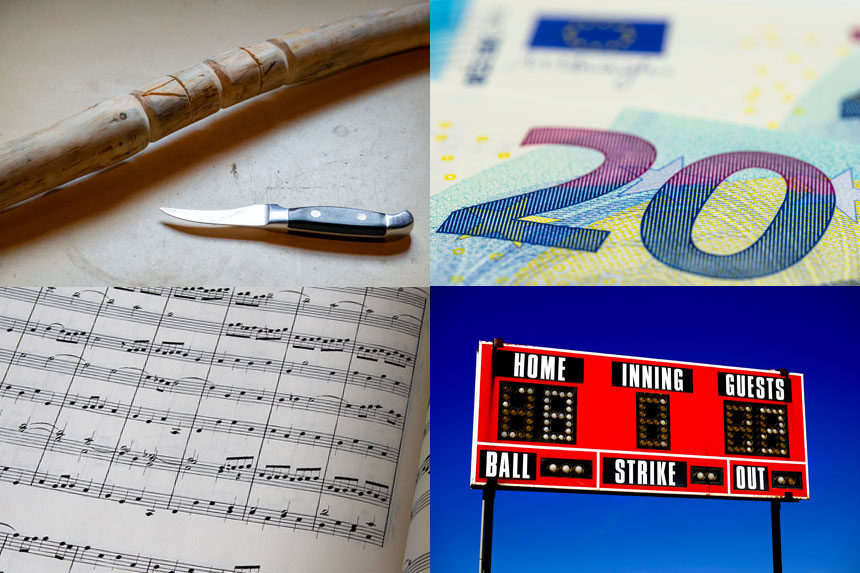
527	99
651	199
745	62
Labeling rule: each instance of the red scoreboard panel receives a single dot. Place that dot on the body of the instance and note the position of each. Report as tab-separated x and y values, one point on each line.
565	420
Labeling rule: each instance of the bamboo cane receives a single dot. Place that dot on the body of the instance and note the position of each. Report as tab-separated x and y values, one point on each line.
118	128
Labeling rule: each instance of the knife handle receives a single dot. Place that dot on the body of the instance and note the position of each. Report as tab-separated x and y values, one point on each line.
346	222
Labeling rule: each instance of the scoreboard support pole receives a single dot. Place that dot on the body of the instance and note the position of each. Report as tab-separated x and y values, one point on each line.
776	535
488	501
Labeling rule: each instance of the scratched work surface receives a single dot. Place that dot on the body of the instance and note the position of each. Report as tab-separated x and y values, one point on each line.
356	139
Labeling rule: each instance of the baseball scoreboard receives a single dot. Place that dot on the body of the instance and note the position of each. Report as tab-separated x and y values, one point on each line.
566	420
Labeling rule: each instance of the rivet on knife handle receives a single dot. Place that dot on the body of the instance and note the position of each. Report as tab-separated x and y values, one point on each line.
320	220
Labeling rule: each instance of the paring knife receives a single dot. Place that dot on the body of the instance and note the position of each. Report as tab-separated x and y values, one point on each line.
330	221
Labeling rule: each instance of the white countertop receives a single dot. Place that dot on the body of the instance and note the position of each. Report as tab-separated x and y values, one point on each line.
355	139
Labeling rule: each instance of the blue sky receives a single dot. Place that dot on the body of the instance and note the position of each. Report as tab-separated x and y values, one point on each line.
810	330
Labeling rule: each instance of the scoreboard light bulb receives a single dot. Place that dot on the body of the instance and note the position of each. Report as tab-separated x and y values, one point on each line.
700	475
555	392
565	468
780	480
711	476
546	436
578	470
521	390
531	390
553	468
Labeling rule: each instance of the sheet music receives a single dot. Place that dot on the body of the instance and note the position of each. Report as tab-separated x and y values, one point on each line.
179	429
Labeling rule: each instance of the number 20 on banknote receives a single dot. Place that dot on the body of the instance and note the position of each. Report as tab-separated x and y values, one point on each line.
667	222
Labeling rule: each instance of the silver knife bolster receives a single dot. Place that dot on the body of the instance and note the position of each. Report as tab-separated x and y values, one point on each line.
279	217
398	224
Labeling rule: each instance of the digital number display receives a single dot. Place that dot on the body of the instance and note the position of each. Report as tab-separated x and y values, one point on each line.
537	413
652	421
755	429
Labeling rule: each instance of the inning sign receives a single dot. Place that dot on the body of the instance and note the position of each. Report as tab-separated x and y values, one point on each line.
566	420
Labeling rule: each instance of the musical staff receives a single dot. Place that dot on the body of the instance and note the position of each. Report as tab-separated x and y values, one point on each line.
42	546
191	423
70	364
268	409
420	563
58	332
407	323
152	501
422	502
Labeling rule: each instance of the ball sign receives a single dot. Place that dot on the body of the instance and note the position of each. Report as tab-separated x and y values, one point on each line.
567	420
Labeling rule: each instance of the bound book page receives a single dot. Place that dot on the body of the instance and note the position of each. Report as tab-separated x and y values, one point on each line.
417	556
209	430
